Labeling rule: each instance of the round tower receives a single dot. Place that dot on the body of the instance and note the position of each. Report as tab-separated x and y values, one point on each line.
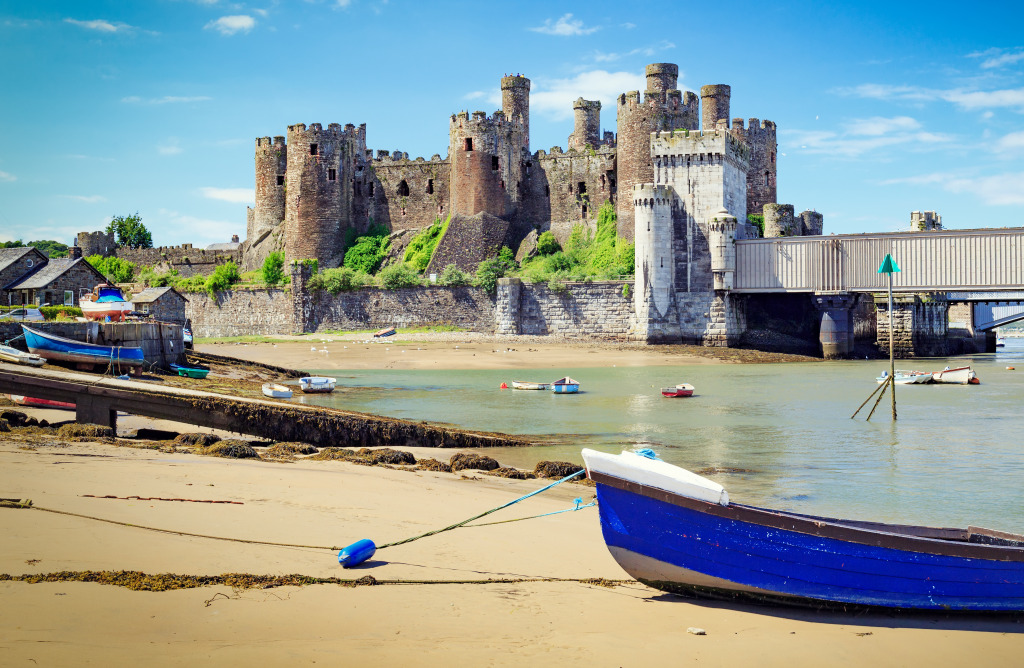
271	166
587	128
778	221
515	103
654	300
722	243
663	109
479	164
313	201
762	183
661	77
714	104
811	223
96	243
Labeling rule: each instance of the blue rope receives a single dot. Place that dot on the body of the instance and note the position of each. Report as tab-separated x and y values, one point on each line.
493	510
533	517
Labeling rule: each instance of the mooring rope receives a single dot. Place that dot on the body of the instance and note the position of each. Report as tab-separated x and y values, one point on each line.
27	504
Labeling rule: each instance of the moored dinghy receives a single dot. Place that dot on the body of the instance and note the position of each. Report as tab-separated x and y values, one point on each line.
317	384
674	530
906	377
53	347
565	386
276	391
529	385
9	354
680	390
963	375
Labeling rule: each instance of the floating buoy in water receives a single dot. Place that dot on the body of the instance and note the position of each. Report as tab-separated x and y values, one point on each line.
503	386
1009	368
356	553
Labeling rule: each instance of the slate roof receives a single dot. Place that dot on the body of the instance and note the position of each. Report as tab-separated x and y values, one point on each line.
8	256
50	272
226	246
150	295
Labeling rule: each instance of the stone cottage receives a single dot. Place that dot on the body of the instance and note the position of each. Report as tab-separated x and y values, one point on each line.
15	264
163	304
57	281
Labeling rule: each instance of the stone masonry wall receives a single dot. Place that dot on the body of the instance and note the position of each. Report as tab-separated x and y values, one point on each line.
584	310
374	308
186	259
408	194
240	313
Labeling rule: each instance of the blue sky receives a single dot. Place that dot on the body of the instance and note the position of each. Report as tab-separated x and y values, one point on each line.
153	106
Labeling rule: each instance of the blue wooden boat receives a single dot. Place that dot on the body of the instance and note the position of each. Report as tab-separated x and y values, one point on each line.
676	531
53	347
565	386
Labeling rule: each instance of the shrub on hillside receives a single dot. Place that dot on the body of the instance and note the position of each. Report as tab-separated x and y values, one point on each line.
272	271
547	244
338	280
399	276
452	276
421	248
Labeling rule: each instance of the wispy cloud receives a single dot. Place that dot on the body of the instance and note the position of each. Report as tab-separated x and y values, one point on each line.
993	190
996	57
88	199
236	195
7	177
970	100
200	230
477	94
565	26
1011	143
100	25
649	51
864	135
229	25
169	147
166	99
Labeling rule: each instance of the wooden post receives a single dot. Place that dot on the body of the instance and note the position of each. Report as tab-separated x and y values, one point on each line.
892	359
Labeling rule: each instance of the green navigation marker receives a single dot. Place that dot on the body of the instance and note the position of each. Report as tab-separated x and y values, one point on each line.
888	265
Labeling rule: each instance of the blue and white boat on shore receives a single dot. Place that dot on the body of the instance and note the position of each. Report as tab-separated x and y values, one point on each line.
53	347
676	531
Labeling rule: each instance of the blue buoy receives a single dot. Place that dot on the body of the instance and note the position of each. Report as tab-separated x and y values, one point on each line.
356	553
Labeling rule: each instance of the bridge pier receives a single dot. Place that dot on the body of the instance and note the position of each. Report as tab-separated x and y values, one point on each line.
836	331
920	325
90	409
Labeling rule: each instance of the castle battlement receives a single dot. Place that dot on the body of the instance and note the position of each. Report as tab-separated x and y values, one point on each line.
652	194
400	158
697	142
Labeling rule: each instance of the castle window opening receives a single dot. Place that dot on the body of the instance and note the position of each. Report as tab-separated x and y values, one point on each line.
313	149
772	158
403	190
570	188
528	168
581	188
359	190
503	184
469	143
332	175
280	179
371	189
584	210
547	191
430	186
494	163
766	178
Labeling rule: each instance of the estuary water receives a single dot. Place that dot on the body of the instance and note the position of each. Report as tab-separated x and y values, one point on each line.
775	435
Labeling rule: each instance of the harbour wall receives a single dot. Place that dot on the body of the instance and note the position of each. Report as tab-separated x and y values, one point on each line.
161	342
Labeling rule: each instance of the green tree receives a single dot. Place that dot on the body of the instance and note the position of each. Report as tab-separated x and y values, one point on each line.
452	276
399	276
757	220
130	231
489	271
272	272
114	269
222	278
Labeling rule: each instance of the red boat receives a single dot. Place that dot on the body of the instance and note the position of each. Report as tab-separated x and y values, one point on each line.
680	390
40	403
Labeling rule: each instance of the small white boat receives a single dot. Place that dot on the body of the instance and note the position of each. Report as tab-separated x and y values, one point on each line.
9	354
276	391
527	385
106	301
905	377
680	390
1000	342
317	384
962	375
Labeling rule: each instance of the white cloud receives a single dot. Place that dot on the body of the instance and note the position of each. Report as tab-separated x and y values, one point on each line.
565	26
5	176
166	99
100	25
648	51
343	3
229	25
997	58
169	147
877	126
236	195
474	95
88	199
201	231
966	99
262	12
995	190
1011	143
554	97
628	26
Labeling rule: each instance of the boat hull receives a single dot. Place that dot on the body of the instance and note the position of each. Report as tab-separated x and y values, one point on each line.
275	391
8	354
526	385
961	376
100	311
680	544
317	385
54	347
41	403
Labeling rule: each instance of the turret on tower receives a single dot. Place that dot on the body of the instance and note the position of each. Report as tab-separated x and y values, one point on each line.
714	105
587	129
515	103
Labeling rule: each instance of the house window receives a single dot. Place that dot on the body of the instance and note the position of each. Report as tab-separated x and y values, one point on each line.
332	174
430	186
494	163
145	308
313	149
469	143
69	298
280	179
403	189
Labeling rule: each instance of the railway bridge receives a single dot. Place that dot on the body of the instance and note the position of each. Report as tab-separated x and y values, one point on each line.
969	280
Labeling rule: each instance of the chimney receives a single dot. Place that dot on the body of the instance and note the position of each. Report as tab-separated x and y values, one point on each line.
75	252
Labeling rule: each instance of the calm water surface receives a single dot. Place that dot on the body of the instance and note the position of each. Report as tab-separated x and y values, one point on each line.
954	457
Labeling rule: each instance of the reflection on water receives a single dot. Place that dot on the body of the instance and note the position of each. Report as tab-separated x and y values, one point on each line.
955	456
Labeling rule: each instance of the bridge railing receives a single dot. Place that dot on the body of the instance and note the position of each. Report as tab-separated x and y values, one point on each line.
932	261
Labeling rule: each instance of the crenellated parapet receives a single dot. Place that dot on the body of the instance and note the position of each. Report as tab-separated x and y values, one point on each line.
587	126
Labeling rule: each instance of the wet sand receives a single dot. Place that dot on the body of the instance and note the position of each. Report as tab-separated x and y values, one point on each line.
471	596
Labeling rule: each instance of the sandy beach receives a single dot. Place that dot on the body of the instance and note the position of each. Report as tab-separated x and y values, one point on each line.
541	591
